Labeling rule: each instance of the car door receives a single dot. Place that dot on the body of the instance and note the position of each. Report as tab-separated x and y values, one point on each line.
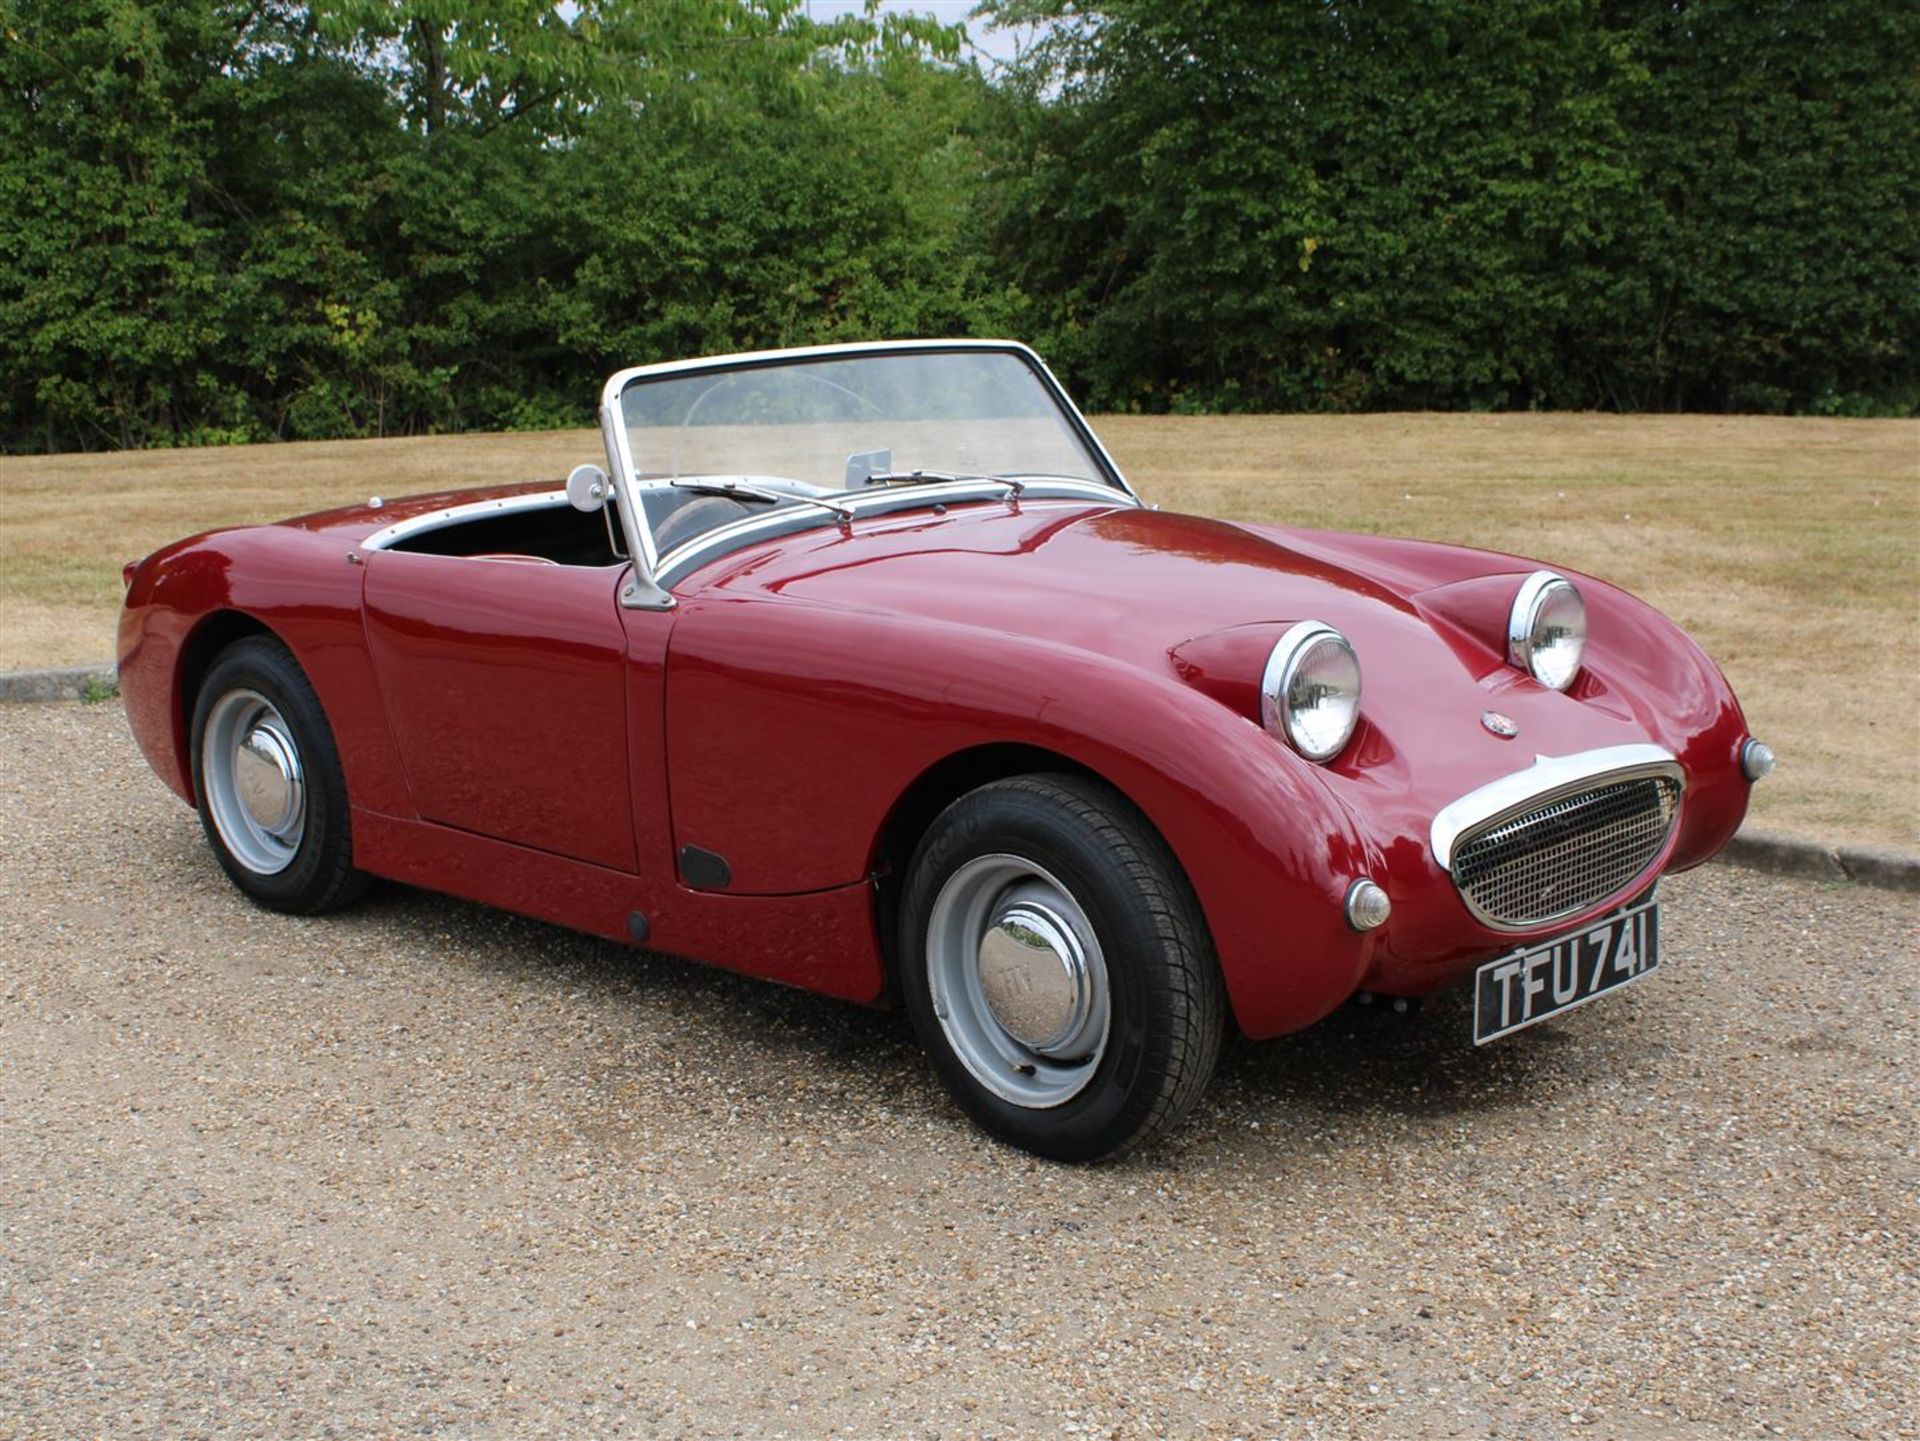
506	689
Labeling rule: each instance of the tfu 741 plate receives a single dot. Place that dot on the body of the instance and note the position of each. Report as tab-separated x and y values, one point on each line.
1526	986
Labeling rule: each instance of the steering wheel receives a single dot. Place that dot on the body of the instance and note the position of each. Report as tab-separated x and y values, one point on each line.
698	516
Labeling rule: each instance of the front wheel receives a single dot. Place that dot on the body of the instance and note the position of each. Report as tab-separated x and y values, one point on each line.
1057	968
267	780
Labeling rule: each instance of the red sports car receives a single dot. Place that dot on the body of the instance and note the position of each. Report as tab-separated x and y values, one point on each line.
863	669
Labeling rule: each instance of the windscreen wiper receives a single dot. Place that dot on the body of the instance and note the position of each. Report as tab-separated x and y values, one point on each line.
915	477
747	490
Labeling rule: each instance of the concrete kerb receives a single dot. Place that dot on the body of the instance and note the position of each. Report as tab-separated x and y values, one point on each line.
1780	855
81	682
1759	850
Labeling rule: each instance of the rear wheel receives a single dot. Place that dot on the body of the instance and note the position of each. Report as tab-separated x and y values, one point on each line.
1057	968
268	783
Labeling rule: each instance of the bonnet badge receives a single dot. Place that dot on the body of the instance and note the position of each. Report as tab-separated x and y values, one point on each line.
1501	725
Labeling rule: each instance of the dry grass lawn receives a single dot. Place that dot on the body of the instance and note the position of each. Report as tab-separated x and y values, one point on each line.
1789	547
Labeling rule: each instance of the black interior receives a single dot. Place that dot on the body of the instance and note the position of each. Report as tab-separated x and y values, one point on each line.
566	536
558	533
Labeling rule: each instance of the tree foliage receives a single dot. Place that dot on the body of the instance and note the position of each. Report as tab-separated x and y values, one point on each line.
1460	203
227	220
248	219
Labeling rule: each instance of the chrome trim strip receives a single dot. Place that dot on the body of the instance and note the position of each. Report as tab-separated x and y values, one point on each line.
620	379
414	525
642	591
693	553
1545	780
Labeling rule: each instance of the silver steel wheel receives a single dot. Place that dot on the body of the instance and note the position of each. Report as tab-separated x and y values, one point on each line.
1018	981
255	786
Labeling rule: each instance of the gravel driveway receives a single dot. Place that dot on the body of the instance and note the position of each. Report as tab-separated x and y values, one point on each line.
428	1169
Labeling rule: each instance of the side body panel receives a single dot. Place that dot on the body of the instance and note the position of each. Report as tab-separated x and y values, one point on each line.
794	729
294	581
820	941
811	684
506	690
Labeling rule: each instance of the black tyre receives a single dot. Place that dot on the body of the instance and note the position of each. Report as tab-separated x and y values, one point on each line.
267	780
1057	968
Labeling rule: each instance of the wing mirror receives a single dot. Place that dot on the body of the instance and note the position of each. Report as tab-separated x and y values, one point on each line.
587	488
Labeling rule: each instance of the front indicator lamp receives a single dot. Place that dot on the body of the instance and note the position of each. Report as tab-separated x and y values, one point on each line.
1756	760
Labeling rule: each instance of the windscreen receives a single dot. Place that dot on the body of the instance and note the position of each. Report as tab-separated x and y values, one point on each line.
844	423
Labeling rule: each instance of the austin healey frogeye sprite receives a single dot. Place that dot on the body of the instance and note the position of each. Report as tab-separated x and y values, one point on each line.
863	669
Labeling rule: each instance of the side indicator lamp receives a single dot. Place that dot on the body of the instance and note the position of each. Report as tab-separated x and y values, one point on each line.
1367	906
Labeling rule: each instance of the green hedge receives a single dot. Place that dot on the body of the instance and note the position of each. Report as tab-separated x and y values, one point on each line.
1697	204
223	220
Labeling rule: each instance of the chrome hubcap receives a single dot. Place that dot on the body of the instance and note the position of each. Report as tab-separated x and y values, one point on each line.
1033	974
1018	981
266	774
255	785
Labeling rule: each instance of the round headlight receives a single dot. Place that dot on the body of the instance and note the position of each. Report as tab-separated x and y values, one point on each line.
1547	631
1310	693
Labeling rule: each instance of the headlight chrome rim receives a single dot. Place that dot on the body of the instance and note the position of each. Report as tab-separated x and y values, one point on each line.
1276	684
1524	620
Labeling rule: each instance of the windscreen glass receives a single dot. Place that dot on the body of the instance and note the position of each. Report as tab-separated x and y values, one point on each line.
848	423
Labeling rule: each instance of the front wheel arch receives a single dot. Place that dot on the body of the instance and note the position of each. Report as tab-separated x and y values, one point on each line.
938	787
211	635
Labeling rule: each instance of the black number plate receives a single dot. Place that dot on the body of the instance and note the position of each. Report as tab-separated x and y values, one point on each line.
1527	986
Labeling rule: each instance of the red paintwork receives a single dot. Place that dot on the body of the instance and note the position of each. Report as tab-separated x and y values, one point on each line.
506	694
511	735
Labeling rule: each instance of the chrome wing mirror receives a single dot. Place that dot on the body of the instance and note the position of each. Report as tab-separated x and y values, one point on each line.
587	488
589	491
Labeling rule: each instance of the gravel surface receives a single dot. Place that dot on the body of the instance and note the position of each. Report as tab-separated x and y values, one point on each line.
428	1169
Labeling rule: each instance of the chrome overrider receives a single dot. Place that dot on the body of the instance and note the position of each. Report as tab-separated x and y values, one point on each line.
1547	779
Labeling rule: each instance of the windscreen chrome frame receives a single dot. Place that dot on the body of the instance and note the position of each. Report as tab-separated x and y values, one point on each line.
646	589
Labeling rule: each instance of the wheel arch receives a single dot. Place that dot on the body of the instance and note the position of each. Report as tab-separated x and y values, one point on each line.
210	635
939	786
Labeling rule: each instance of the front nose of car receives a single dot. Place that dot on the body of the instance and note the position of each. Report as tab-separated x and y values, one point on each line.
1501	811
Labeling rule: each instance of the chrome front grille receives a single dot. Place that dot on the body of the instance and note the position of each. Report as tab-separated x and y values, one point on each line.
1565	854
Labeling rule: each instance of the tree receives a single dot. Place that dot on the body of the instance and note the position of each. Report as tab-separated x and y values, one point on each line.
1237	203
1782	143
230	220
486	62
112	309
